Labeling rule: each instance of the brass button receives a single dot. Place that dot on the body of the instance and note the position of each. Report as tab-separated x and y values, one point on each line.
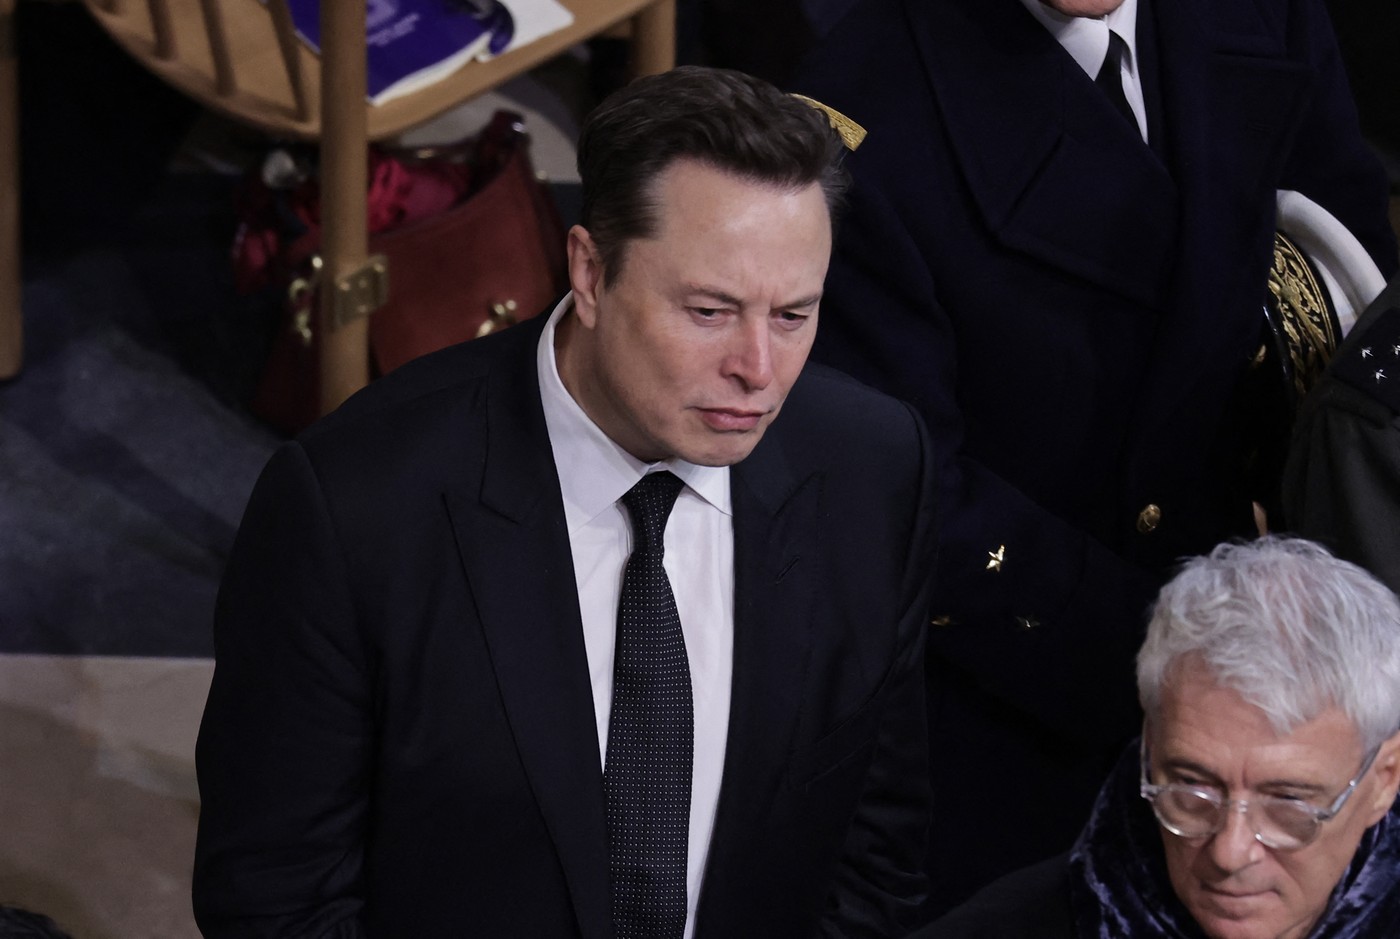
944	620
1149	518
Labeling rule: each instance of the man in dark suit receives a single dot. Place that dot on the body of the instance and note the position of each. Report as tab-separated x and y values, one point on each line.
1061	224
448	703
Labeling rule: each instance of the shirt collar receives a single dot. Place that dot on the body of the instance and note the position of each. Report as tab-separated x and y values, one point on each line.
594	472
1086	38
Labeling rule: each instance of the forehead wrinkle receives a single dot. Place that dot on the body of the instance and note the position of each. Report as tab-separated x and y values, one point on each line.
692	288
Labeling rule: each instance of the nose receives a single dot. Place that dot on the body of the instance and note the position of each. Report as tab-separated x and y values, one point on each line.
1234	845
749	358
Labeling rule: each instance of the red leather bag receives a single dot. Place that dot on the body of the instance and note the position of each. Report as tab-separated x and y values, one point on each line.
487	261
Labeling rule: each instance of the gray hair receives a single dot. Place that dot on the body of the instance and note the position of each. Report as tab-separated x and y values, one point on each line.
1289	627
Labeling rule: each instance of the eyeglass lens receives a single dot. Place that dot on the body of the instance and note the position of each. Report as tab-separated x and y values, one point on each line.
1192	813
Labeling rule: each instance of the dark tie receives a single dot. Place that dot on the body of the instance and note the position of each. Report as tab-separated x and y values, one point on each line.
646	775
1111	77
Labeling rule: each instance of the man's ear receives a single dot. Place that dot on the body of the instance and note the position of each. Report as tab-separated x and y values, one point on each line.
1387	773
585	275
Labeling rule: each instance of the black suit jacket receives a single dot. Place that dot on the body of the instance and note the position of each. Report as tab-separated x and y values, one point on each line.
1070	310
400	739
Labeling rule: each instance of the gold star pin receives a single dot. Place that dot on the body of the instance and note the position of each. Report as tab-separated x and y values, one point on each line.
997	557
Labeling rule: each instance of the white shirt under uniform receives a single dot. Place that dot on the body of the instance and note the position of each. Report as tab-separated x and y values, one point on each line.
1085	38
594	473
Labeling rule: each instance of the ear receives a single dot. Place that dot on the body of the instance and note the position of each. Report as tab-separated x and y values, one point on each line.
1386	770
585	274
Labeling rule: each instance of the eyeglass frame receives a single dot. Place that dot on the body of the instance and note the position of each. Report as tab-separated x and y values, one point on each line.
1150	791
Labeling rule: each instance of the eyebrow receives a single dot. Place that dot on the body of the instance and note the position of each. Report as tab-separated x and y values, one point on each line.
715	293
1196	769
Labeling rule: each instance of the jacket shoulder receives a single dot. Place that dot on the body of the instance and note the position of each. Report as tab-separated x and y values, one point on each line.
1369	361
826	403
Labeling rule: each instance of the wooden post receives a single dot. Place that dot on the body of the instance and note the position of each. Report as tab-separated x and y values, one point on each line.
654	38
290	47
11	319
344	348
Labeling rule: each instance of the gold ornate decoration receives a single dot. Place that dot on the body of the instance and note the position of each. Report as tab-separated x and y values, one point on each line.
851	133
1149	518
1308	324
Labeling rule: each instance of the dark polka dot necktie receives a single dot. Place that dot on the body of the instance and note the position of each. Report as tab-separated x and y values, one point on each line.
646	774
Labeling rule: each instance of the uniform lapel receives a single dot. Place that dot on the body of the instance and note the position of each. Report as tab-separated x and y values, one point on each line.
1231	102
515	549
775	580
1055	171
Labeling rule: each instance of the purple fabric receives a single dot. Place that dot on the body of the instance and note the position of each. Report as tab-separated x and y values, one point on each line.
1120	889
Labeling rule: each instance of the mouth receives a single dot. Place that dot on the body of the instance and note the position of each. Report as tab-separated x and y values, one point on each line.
731	419
1234	903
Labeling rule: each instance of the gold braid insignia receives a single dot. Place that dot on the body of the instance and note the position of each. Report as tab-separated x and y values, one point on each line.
851	133
1302	304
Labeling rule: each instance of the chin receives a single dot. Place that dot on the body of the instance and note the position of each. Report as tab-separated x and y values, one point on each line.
726	451
1253	927
718	457
1083	7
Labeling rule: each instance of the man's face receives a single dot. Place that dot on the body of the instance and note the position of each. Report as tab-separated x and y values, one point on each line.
1234	886
1083	7
690	349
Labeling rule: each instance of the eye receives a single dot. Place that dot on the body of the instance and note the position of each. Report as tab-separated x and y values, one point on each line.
792	318
1194	782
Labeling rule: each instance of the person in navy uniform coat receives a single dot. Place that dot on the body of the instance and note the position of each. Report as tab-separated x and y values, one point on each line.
1069	294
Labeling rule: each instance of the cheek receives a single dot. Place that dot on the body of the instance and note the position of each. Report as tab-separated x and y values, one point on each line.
1310	877
1181	859
789	352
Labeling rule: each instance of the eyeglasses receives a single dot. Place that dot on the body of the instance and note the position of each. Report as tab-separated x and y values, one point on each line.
1279	823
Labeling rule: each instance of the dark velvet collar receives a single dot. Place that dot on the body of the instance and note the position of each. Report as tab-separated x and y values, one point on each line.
1120	890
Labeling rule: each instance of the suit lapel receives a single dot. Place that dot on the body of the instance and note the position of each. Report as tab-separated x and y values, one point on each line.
1055	171
775	571
515	550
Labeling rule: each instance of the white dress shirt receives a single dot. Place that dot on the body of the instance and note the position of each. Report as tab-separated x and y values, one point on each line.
594	473
1086	40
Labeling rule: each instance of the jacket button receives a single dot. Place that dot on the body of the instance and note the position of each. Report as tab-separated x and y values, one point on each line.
1149	518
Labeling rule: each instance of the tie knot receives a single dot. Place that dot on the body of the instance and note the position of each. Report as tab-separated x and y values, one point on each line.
649	503
1112	58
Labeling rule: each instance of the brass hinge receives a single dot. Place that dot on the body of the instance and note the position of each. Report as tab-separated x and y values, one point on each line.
361	292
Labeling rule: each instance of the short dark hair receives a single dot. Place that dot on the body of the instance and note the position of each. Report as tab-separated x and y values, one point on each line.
725	119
